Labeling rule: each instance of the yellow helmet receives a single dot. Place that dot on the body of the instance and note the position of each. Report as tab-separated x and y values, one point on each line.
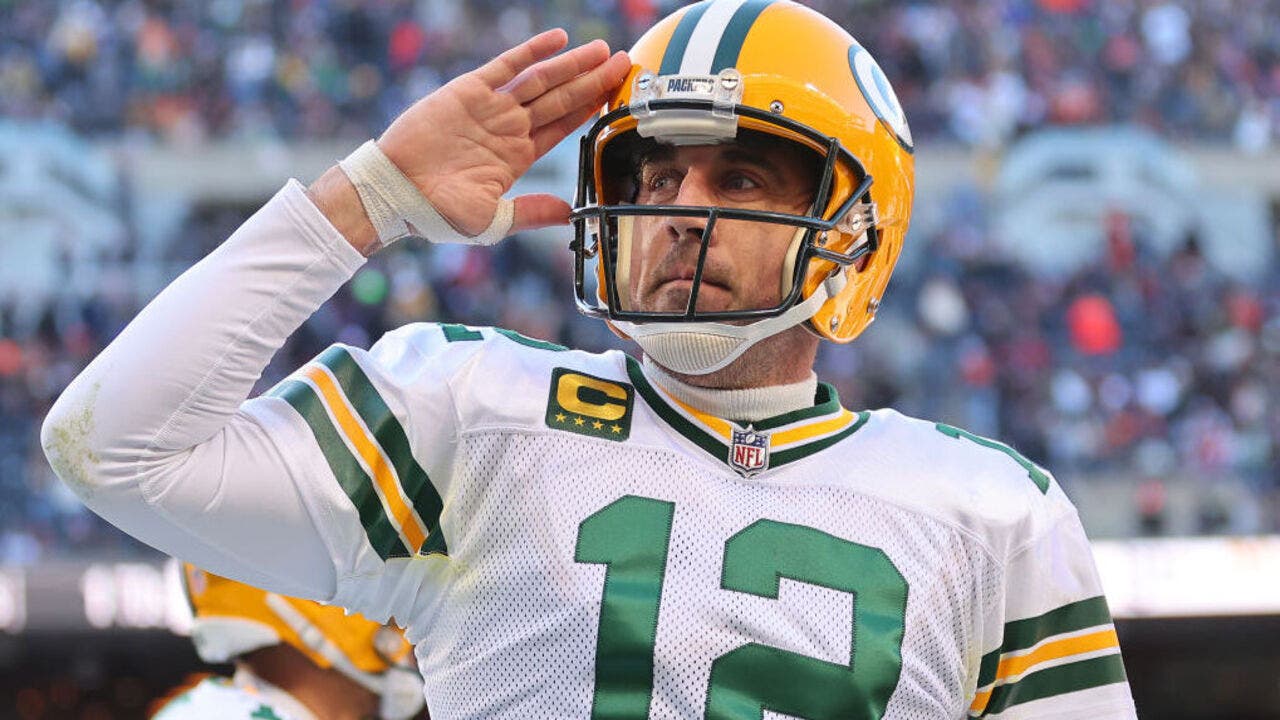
770	66
232	619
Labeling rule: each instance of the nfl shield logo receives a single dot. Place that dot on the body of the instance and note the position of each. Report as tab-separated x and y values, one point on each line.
750	452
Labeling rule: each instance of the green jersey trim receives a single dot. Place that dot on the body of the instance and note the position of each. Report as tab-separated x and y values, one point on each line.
1060	680
792	436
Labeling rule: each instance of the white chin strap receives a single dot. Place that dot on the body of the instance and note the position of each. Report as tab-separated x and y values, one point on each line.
704	347
398	688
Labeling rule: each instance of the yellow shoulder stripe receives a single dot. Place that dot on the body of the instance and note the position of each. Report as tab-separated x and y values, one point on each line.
1015	666
398	507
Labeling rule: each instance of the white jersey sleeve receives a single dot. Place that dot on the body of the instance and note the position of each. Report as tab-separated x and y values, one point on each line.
151	435
1054	651
1049	646
368	438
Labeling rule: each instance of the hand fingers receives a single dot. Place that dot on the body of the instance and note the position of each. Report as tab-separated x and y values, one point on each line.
543	76
548	136
499	71
568	99
539	210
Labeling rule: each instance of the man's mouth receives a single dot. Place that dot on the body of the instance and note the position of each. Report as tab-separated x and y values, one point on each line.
685	279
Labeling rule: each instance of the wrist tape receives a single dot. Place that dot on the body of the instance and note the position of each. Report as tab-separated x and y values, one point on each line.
396	207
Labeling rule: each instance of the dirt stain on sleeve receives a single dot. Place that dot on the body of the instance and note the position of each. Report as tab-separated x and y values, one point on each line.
66	445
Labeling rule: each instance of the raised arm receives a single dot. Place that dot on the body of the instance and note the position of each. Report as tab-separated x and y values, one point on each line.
151	435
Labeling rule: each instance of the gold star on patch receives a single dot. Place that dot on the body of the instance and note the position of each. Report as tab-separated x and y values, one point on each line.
597	424
559	417
579	421
616	428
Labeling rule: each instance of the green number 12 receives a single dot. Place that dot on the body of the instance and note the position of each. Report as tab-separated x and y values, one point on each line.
631	537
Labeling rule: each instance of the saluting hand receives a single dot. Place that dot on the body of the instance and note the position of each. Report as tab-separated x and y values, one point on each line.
465	144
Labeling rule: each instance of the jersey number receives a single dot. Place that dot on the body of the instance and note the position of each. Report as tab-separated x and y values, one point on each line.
630	537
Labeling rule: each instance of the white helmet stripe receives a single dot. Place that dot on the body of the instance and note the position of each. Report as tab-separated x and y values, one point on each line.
705	40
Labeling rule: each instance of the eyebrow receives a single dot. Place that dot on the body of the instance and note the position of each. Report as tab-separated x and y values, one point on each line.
733	154
738	154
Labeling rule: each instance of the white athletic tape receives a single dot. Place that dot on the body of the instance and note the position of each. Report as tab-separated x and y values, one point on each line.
396	207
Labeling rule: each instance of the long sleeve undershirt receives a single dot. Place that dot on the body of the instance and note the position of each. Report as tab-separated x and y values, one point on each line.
149	435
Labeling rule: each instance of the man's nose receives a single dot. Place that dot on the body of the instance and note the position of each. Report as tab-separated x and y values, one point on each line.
695	191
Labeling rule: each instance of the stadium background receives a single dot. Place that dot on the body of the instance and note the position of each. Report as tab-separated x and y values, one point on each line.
1091	275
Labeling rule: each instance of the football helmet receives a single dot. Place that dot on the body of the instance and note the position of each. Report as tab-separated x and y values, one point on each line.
700	76
232	619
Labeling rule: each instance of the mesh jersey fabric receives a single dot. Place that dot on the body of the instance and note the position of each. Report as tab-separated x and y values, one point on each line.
456	491
532	599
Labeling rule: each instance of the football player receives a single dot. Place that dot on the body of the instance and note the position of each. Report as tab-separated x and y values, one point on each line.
704	531
294	659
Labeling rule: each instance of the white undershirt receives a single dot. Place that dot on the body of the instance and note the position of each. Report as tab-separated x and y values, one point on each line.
748	404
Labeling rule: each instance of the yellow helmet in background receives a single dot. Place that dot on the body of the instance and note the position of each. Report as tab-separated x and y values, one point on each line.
232	619
775	67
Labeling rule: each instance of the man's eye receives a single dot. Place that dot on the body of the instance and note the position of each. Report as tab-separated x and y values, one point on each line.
661	181
740	181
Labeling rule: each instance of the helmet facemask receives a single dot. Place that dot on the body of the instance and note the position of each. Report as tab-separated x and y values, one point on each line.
606	214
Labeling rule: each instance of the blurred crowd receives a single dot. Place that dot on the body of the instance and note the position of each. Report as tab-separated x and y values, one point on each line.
976	72
1151	368
1154	374
1141	370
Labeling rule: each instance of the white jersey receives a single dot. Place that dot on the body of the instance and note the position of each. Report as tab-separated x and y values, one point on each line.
243	698
563	539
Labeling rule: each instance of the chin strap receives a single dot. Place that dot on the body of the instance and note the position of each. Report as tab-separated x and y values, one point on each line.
397	209
398	688
705	347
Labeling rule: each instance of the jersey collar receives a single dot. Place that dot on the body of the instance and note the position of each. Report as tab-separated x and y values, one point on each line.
782	439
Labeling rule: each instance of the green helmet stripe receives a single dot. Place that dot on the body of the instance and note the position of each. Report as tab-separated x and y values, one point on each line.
735	34
672	58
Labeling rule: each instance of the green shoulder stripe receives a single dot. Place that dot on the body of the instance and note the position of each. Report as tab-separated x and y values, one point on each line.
1022	634
355	482
1058	680
1025	633
988	668
388	432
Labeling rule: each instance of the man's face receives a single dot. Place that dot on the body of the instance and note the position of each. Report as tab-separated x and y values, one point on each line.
744	262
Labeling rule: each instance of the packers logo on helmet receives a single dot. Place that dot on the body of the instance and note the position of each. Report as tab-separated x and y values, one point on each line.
703	76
